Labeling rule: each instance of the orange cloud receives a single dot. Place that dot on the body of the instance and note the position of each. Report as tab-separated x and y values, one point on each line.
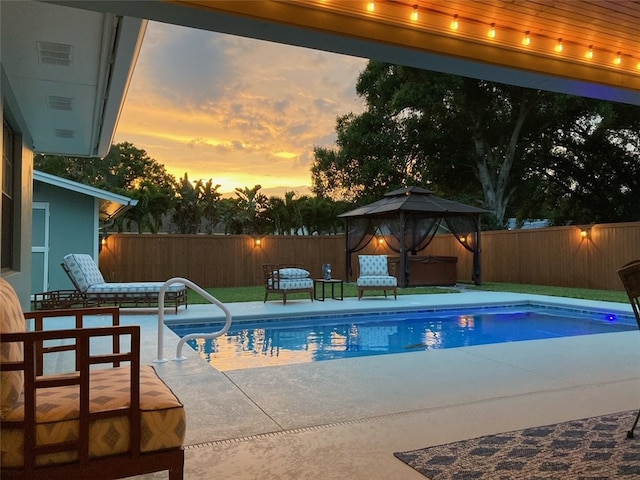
239	111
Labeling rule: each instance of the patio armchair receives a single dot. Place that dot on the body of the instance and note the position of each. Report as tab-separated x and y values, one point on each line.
285	280
376	274
630	276
92	411
91	288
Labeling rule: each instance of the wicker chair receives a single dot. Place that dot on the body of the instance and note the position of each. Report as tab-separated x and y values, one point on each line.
630	276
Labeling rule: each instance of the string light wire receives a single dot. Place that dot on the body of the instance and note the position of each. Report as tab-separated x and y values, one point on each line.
492	32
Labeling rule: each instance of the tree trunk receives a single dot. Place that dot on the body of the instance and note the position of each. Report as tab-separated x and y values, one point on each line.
493	166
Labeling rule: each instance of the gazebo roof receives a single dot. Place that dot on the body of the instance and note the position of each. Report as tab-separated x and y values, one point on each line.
413	200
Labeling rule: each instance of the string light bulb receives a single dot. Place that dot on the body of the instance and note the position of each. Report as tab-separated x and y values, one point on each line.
618	59
454	23
559	46
492	31
414	13
589	53
527	39
371	6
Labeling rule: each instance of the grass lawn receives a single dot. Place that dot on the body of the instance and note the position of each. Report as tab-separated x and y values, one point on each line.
256	293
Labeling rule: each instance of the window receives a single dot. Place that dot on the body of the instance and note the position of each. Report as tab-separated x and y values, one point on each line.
8	182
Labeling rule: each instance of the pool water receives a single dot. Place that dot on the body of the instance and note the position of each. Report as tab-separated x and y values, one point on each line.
280	342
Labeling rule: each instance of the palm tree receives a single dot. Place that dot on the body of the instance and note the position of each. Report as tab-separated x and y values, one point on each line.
154	201
210	199
247	211
317	215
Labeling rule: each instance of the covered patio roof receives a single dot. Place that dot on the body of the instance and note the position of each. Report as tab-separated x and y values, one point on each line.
578	47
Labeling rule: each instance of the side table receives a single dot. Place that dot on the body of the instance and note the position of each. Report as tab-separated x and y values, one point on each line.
333	282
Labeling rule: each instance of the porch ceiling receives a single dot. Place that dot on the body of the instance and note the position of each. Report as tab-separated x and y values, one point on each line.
609	30
65	73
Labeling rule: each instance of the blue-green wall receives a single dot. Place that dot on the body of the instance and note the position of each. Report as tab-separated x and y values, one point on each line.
72	228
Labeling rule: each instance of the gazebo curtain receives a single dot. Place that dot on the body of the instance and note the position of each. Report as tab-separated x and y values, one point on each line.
360	231
418	232
359	234
464	228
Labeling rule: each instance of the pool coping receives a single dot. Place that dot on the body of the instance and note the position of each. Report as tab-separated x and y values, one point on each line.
350	307
259	319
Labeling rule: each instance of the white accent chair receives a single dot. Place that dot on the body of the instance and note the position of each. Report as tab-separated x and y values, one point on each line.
376	274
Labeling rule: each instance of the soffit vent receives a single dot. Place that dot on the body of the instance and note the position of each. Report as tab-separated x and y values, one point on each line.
54	53
55	102
64	133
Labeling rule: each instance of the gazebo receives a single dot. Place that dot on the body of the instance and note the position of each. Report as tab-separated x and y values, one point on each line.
408	219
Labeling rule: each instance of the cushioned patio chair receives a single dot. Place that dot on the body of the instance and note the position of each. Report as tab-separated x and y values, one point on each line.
100	415
376	274
88	281
285	280
630	276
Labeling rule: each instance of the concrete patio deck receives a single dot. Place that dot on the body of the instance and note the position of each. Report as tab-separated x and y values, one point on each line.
343	419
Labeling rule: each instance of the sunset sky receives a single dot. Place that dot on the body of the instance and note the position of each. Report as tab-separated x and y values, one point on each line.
239	111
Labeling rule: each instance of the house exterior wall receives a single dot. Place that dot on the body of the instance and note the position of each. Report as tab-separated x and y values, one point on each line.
72	228
19	274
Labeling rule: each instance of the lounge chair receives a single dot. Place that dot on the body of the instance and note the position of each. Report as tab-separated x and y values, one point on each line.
376	274
93	290
630	276
114	421
284	280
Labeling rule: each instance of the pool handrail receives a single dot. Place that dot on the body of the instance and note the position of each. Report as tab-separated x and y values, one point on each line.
203	293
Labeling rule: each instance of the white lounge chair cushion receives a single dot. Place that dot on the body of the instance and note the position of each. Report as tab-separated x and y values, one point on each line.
373	265
133	288
84	270
377	281
292	284
293	273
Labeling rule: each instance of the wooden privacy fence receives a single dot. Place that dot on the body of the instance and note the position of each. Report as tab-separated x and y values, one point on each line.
558	256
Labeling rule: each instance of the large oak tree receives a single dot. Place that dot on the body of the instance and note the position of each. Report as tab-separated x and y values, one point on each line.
466	139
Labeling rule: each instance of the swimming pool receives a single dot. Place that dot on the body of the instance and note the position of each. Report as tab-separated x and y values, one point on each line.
279	342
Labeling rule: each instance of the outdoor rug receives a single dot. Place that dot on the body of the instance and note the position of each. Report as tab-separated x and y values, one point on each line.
592	448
